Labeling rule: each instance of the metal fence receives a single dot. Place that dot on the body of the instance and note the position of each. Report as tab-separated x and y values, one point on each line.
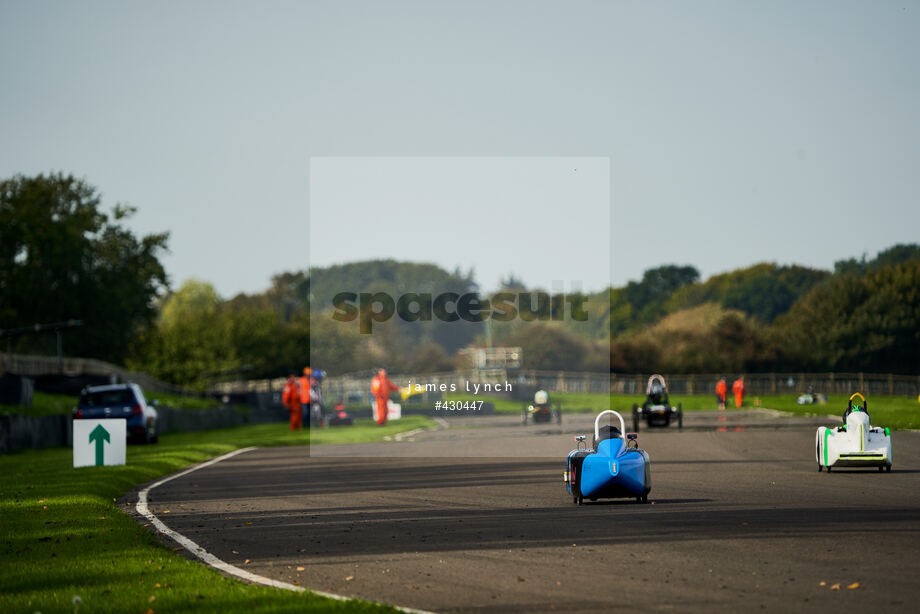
34	366
784	383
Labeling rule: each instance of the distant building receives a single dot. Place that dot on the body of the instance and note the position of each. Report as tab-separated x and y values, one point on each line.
490	359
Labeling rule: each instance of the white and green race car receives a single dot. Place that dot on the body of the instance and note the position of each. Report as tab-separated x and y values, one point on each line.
854	444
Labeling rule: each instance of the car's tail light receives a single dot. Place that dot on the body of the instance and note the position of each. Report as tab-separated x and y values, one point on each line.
78	413
136	410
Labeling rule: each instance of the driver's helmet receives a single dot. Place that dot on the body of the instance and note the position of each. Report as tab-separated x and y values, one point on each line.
854	406
656	390
541	397
608	431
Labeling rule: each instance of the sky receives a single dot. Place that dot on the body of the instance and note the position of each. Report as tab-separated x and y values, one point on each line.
736	131
480	213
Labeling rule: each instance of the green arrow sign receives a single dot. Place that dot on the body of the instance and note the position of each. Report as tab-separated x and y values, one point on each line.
99	435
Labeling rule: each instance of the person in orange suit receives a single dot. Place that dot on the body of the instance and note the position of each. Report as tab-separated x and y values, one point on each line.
738	390
721	392
305	382
290	398
381	387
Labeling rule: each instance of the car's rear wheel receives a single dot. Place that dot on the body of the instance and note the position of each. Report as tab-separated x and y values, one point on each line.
680	416
635	418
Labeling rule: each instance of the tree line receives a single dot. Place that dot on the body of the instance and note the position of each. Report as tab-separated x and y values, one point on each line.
62	257
779	318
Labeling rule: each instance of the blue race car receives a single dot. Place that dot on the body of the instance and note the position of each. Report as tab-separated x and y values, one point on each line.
615	467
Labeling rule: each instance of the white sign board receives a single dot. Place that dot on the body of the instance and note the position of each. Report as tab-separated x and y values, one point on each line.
99	442
394	411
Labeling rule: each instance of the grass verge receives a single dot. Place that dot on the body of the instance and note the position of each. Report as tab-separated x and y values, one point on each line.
63	536
44	404
895	412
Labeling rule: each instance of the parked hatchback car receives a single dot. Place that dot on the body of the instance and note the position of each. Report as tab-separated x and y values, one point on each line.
120	401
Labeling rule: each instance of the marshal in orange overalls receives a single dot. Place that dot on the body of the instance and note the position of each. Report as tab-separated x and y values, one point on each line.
721	392
290	398
381	387
738	389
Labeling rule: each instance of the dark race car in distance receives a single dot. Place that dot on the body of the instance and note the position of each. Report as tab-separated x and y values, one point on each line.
657	409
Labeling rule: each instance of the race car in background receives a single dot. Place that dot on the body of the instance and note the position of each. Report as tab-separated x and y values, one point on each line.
339	416
856	443
657	409
542	409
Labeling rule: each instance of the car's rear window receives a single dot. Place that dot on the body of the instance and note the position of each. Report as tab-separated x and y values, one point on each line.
107	398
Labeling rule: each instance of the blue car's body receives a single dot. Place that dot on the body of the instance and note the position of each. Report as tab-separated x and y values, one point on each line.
614	468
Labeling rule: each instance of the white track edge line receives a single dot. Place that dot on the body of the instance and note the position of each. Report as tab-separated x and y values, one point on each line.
407	434
402	434
211	560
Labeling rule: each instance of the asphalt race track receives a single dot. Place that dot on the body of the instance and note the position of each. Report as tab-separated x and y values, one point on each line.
475	518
